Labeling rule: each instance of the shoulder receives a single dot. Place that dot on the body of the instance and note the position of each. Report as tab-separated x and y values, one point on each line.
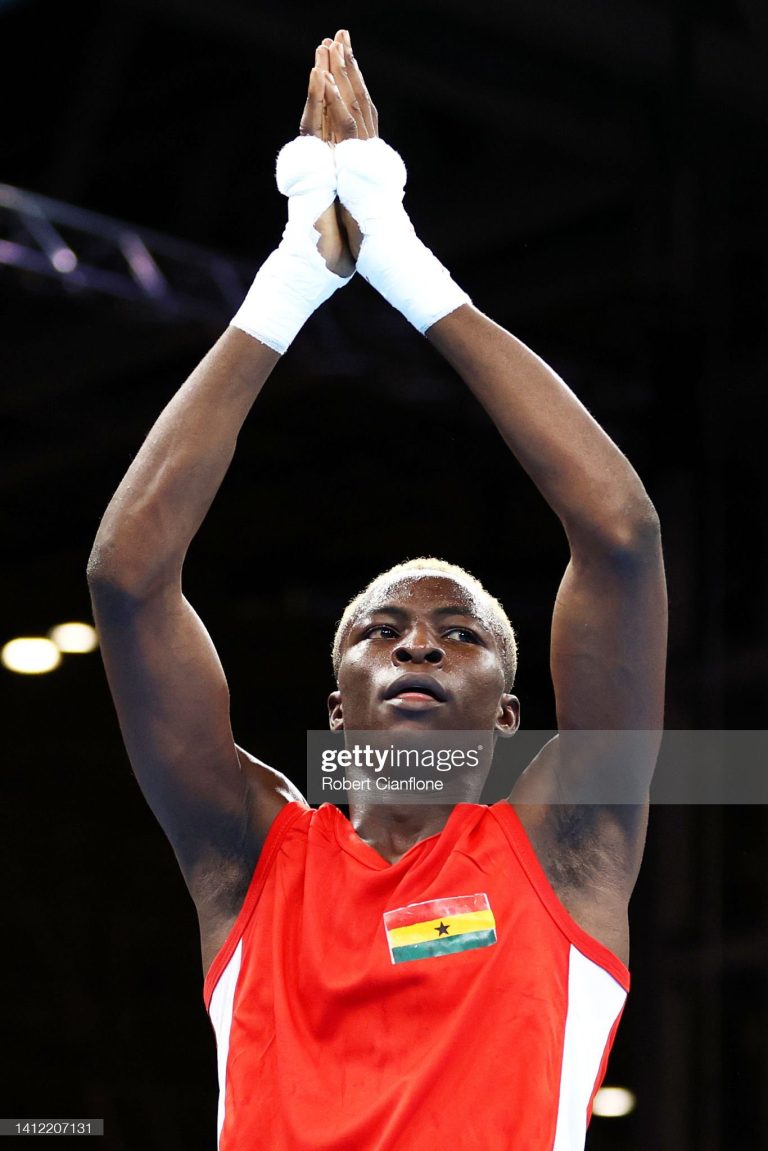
269	791
584	844
223	875
590	860
584	848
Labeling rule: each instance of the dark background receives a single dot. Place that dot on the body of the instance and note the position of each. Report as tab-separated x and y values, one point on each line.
595	173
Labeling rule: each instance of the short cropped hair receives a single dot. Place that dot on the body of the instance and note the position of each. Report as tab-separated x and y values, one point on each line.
494	615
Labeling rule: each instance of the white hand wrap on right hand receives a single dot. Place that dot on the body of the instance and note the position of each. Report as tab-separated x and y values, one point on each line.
295	279
370	179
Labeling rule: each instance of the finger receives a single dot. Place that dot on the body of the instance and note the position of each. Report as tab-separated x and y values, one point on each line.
344	84
323	64
312	117
359	87
322	58
342	123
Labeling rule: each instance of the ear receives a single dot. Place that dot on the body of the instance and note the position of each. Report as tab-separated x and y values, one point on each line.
335	719
508	715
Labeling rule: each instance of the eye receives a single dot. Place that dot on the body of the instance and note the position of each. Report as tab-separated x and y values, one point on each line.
381	628
464	634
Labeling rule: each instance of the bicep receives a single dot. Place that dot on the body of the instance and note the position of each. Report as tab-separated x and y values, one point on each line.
172	701
608	658
608	647
608	655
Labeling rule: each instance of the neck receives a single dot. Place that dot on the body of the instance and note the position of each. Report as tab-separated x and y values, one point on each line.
392	828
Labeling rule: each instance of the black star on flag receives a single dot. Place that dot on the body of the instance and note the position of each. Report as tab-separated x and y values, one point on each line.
443	928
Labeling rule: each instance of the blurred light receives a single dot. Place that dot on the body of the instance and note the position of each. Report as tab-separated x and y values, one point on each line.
74	637
30	655
612	1102
64	260
143	265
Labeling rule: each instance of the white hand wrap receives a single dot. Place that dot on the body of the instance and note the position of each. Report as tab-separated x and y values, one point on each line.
370	179
294	279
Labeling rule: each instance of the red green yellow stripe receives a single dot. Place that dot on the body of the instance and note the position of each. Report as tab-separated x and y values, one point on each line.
439	927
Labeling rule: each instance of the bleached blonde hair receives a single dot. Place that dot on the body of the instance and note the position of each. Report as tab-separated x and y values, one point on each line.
494	615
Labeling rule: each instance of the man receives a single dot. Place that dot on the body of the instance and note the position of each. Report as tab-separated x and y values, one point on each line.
424	974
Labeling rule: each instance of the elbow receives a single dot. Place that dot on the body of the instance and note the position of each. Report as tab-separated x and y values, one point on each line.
96	570
106	568
634	538
109	586
630	537
634	524
118	579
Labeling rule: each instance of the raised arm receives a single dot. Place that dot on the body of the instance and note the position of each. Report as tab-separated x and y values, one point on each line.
609	627
583	800
214	801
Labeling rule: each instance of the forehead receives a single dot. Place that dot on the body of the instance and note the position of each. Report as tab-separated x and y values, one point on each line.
424	590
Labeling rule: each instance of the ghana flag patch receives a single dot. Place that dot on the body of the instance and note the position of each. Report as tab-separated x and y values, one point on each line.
439	927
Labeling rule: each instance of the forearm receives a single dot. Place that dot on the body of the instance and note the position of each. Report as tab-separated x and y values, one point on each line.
579	471
166	492
148	526
586	480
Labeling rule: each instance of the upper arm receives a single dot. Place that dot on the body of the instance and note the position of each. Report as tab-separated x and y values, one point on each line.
608	655
172	702
609	641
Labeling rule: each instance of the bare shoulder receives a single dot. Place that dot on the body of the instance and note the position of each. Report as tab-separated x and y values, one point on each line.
222	878
590	853
269	791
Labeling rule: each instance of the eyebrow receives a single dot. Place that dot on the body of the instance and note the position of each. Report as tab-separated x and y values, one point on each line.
402	613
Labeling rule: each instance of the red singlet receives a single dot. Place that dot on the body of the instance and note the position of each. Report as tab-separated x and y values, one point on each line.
446	1000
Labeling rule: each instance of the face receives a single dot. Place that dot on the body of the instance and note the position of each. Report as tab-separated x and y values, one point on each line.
422	655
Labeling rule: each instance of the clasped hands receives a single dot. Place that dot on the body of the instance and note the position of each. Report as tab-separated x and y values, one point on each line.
338	107
345	190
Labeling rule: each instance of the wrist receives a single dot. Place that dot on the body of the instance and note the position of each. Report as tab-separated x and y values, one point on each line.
371	180
409	276
294	280
288	288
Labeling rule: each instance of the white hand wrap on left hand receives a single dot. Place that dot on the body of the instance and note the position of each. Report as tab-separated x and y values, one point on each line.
294	280
370	179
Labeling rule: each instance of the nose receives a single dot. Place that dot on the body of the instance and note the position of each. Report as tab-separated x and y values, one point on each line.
418	646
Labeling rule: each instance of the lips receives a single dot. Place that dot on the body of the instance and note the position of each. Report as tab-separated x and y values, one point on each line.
416	684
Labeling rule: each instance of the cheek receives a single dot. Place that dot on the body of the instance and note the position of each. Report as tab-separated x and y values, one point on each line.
355	671
487	682
489	669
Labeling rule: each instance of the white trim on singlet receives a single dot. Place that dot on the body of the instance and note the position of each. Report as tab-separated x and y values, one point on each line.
220	1012
595	1001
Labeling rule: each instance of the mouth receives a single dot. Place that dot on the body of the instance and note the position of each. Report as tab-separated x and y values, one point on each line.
416	689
